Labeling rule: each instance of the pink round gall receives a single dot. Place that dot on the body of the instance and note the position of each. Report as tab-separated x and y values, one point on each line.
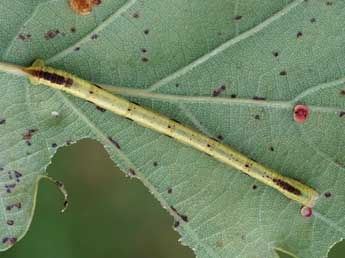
306	212
301	113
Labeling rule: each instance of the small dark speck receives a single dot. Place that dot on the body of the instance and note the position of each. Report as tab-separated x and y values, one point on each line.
76	48
342	92
2	121
94	36
329	3
312	20
254	187
54	145
257	117
283	73
275	54
342	113
176	224
132	172
136	15
259	98
155	163
145	59
177	85
170	190
328	194
73	30
144	50
299	34
220	137
10	222
51	34
115	143
238	17
146	32
233	96
271	148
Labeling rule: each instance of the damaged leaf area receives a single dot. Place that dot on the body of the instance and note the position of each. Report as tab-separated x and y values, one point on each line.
267	82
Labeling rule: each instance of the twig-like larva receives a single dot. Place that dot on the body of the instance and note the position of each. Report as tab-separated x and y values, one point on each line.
40	74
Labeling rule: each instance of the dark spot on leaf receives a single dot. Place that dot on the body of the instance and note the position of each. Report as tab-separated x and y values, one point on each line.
312	20
91	92
136	15
146	32
275	54
219	90
271	148
24	36
10	222
2	121
144	59
155	163
259	98
257	117
183	217
329	3
299	34
144	50
238	17
283	73
132	172
76	48
54	145
342	92
286	186
233	96
220	137
176	224
115	143
177	85
170	190
16	205
73	29
94	36
342	113
254	187
51	34
328	194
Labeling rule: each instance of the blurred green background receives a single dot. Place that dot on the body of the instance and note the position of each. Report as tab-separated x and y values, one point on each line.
110	215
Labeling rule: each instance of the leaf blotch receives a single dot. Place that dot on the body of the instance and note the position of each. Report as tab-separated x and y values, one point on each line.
219	90
83	7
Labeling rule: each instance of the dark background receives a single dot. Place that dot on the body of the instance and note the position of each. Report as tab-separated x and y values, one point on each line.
110	215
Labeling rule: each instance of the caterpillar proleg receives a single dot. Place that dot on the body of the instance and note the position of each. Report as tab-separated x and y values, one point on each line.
38	73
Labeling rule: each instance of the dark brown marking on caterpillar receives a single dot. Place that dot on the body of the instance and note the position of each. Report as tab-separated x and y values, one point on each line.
97	86
176	121
115	143
52	77
100	109
288	187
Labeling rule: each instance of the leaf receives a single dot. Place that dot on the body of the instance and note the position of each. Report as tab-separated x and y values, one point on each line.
172	56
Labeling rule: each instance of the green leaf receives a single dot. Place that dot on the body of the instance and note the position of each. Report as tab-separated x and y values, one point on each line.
179	52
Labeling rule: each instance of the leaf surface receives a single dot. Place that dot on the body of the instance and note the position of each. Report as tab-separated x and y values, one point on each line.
172	56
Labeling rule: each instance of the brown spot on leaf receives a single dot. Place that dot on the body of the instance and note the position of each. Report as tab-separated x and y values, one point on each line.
83	7
341	113
51	34
299	34
24	36
146	32
10	222
283	73
328	194
275	53
219	90
238	17
136	15
2	121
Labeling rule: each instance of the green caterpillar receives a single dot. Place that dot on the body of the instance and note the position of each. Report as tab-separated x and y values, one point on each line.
40	74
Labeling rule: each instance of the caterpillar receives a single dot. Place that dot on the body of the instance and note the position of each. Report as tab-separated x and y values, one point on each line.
39	74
